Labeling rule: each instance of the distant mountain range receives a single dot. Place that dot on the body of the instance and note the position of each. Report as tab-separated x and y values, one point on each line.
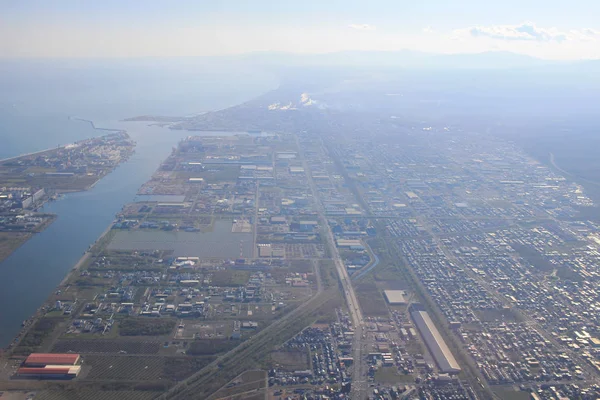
408	59
403	58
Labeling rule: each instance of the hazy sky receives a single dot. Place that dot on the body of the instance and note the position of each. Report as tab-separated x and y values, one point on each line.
121	28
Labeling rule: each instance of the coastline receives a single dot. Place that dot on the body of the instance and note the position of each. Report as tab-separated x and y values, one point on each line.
33	153
30	154
29	322
48	198
39	312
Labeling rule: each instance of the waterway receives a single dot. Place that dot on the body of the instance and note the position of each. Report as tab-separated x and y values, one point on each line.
30	274
34	115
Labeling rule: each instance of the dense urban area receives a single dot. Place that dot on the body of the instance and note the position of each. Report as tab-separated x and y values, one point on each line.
316	260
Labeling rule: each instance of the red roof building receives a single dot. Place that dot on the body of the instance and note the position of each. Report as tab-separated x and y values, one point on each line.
43	359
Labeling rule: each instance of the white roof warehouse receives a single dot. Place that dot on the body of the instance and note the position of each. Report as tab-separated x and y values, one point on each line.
435	343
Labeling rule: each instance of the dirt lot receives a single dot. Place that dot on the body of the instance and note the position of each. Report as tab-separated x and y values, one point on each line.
178	368
290	360
230	278
370	298
390	375
127	368
95	395
204	330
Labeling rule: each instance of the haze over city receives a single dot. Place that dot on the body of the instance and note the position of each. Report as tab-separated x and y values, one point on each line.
307	200
545	29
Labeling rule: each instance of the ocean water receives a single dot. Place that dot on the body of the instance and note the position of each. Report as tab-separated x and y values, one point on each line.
36	103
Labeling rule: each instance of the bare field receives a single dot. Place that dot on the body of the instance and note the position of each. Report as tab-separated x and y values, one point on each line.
106	346
124	368
370	299
290	360
249	385
95	395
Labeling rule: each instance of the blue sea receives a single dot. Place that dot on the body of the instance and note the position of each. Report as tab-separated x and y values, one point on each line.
38	100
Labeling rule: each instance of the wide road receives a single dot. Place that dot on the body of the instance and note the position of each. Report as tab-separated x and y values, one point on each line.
351	300
359	383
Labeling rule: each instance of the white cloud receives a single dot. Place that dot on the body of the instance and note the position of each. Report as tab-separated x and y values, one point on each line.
591	32
305	100
362	27
585	35
428	29
528	31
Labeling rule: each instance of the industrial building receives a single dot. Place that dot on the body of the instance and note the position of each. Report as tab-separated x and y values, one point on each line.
434	342
266	250
50	372
51	366
43	359
395	297
353	244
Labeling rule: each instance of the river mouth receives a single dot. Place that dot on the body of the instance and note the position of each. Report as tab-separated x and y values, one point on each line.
34	270
37	100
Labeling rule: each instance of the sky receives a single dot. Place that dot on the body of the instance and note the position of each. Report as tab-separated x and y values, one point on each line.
549	29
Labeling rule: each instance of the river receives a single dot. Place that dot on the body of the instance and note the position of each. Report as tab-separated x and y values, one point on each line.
34	115
36	268
30	274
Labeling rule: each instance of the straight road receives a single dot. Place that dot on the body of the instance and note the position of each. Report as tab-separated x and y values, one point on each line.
359	384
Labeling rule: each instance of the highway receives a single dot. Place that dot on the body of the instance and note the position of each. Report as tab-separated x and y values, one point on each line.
346	282
359	374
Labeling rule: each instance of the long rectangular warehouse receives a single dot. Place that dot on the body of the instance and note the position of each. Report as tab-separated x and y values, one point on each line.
43	359
51	371
435	343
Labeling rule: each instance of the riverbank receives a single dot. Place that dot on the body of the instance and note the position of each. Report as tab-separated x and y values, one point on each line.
40	152
86	255
40	312
12	240
32	273
54	172
35	153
